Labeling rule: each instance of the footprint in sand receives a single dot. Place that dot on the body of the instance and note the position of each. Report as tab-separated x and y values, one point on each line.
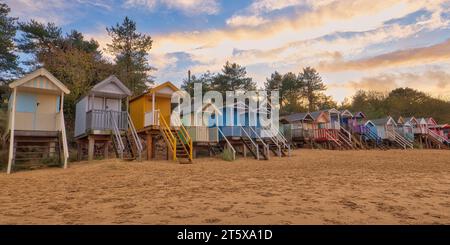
212	220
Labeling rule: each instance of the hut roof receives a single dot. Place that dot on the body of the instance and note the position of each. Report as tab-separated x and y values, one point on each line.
40	72
297	117
111	79
383	121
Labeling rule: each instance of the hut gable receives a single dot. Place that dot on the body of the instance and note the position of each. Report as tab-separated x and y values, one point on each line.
111	87
431	122
384	121
297	117
346	113
40	79
359	114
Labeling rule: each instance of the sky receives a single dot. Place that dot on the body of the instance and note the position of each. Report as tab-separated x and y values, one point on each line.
353	44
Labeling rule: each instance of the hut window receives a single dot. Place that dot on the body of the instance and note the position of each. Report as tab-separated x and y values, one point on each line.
58	104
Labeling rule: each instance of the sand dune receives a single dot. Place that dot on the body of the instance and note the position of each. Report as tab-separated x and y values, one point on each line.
312	187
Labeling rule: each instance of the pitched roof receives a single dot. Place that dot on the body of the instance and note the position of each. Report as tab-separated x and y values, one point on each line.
156	88
383	121
297	117
40	72
115	80
346	113
316	114
359	114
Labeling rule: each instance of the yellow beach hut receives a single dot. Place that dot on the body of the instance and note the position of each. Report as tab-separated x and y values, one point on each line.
150	113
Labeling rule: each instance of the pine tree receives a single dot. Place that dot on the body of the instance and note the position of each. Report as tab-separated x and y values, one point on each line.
313	86
131	49
8	60
233	78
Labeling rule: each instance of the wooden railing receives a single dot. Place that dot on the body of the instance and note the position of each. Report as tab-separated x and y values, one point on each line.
151	118
231	131
230	146
325	134
188	140
102	120
168	135
302	133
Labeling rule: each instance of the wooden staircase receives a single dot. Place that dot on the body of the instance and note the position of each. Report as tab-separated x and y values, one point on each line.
278	144
345	139
437	140
399	140
127	145
36	151
357	141
178	141
257	147
374	138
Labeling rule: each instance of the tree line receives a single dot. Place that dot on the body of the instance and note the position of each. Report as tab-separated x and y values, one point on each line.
81	63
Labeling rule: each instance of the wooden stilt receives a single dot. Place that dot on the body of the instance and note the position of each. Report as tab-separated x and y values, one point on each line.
11	134
91	145
149	139
106	150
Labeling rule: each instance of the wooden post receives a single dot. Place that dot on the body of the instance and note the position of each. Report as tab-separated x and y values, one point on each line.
91	144
79	150
153	106
106	150
11	135
149	139
244	150
63	131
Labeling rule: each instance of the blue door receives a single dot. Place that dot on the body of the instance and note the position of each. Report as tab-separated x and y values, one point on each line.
27	103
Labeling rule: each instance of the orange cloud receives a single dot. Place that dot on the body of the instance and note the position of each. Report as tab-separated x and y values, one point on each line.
435	53
435	82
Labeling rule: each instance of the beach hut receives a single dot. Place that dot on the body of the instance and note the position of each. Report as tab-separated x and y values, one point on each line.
369	135
346	119
357	122
406	127
327	129
436	131
422	126
387	130
102	124
298	127
205	132
236	127
151	114
36	128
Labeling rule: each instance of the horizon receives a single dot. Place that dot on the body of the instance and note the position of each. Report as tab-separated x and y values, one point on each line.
364	45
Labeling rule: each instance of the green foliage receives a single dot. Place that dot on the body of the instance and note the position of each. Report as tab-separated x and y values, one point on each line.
8	59
232	78
227	155
312	87
50	160
404	102
300	93
205	79
72	59
131	49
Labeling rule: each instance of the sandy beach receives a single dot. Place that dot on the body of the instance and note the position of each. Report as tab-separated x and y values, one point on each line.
311	187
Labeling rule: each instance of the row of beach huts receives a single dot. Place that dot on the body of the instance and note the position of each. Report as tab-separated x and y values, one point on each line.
112	122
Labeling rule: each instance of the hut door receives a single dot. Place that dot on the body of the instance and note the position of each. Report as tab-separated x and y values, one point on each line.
26	111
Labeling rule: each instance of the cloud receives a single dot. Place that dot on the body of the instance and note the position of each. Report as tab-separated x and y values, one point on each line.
236	21
60	12
435	82
43	11
191	7
435	53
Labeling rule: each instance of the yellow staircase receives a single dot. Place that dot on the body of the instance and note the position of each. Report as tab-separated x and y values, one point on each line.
178	140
